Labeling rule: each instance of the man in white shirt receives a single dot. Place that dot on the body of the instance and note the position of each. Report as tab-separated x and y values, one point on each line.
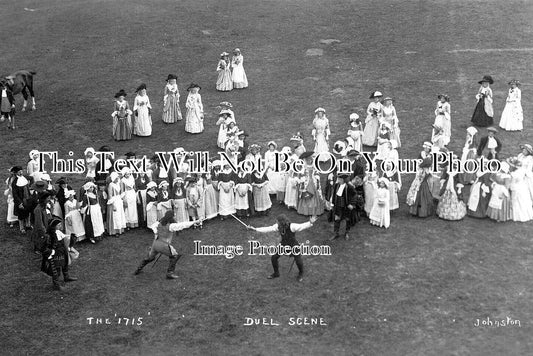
287	231
164	231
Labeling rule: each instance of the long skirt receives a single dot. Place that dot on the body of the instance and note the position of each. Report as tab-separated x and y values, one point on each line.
122	128
141	207
505	213
512	117
151	213
130	200
380	215
143	122
224	82
238	76
11	217
74	225
521	203
194	123
261	198
370	133
291	192
450	207
172	111
483	203
94	222
423	205
468	155
321	146
116	219
180	210
480	117
226	201
210	202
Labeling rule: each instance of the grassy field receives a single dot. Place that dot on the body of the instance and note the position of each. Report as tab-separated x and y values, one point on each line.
414	289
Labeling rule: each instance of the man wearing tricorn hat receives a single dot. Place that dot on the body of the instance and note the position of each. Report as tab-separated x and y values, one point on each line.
342	194
164	231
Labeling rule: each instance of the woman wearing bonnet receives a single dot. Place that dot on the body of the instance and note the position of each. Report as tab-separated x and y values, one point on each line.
171	101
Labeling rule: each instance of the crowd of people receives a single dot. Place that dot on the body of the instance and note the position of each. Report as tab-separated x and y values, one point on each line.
111	203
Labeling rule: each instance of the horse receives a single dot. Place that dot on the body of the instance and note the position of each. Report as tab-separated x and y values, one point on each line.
21	82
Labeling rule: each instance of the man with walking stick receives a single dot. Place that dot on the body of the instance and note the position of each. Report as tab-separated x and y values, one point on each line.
287	231
164	232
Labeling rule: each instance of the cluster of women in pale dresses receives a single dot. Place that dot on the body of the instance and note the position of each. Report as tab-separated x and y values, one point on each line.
502	196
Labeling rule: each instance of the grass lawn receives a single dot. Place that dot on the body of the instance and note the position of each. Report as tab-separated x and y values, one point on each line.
414	289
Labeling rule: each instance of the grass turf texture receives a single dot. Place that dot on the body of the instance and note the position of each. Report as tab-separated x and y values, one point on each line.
416	288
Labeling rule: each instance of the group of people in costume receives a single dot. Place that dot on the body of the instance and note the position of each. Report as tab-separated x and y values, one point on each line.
231	74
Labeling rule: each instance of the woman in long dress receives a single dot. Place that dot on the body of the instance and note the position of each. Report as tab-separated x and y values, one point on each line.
143	112
226	195
311	201
243	187
194	118
32	168
380	213
171	101
321	134
355	134
469	155
91	161
11	218
141	183
512	115
374	113
390	117
224	82
500	204
522	204
116	218
92	213
238	75
164	203
211	192
450	207
370	186
151	203
73	219
179	200
484	113
526	159
270	159
194	199
419	197
262	202
224	119
478	202
443	116
121	118
129	198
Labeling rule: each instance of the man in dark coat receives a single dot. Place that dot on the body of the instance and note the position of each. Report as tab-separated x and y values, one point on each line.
490	142
7	105
342	204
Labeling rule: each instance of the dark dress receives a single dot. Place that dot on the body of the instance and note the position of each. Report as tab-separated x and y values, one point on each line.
480	117
20	196
424	205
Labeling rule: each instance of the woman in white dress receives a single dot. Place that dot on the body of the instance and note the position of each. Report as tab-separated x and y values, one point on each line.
512	115
11	218
469	154
91	160
522	205
374	113
116	218
321	134
273	177
355	134
442	116
151	203
142	111
390	117
33	166
224	82
73	220
194	119
129	198
179	200
380	213
526	159
226	195
224	119
238	75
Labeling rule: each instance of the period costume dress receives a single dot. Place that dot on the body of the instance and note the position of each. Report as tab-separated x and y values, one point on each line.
179	202
419	197
310	201
443	118
224	81
369	188
226	195
522	205
116	218
171	104
143	118
151	205
211	197
262	202
130	201
374	115
478	201
140	186
527	166
321	134
341	198
194	118
469	154
389	116
274	178
355	140
92	215
162	245
194	201
164	203
243	187
493	145
483	113
122	121
238	75
292	190
450	206
11	217
73	220
512	115
500	204
380	213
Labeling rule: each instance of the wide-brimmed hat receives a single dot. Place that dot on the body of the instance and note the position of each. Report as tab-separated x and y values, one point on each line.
237	50
15	169
254	147
273	144
286	149
317	110
171	76
177	180
375	94
514	81
241	133
61	180
306	154
87	150
427	144
446	97
191	179
38	185
226	104
471	130
120	93
527	147
100	183
193	85
492	129
339	146
224	54
54	222
163	183
343	175
69	193
104	149
151	185
387	125
298	137
46	177
113	176
33	153
125	170
354	117
384	180
486	78
388	98
140	87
